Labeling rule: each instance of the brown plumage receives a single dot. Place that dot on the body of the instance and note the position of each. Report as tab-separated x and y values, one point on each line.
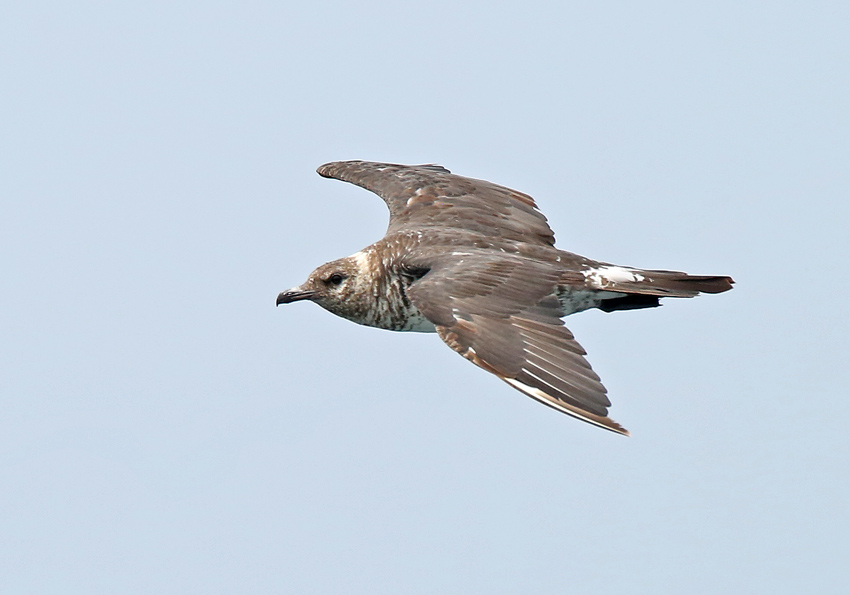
476	263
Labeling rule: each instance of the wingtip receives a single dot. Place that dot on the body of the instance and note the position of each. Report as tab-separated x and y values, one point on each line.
606	423
338	169
325	170
334	169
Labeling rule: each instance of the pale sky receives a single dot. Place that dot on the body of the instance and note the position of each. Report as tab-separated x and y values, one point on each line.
165	429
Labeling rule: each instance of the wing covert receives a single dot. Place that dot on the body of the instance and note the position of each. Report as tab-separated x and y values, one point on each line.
422	196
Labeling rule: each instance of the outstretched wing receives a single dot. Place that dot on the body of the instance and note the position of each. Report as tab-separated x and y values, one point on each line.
421	196
501	313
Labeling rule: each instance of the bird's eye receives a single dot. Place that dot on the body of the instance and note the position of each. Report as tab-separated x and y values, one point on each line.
336	279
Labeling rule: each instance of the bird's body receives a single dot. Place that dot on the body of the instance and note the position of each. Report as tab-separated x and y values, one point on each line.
476	263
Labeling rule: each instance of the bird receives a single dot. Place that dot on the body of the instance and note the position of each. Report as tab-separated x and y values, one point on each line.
476	263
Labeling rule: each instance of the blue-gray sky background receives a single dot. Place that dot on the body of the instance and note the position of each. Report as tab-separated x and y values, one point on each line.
165	429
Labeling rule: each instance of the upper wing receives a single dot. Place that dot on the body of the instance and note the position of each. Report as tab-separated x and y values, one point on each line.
420	196
501	313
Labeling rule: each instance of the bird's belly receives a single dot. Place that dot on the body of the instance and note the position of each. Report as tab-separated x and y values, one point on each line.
417	323
577	300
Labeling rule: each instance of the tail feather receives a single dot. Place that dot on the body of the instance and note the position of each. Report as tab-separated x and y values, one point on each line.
669	282
643	287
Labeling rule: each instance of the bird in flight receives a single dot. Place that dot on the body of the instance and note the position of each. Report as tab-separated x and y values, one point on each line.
476	263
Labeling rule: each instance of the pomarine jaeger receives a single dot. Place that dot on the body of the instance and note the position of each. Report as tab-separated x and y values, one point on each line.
477	264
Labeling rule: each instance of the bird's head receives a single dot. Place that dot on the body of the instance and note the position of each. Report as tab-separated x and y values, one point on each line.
337	286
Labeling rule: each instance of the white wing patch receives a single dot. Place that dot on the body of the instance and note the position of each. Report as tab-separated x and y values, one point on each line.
603	277
417	195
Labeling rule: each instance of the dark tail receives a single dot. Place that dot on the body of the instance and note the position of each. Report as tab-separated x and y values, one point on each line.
643	288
